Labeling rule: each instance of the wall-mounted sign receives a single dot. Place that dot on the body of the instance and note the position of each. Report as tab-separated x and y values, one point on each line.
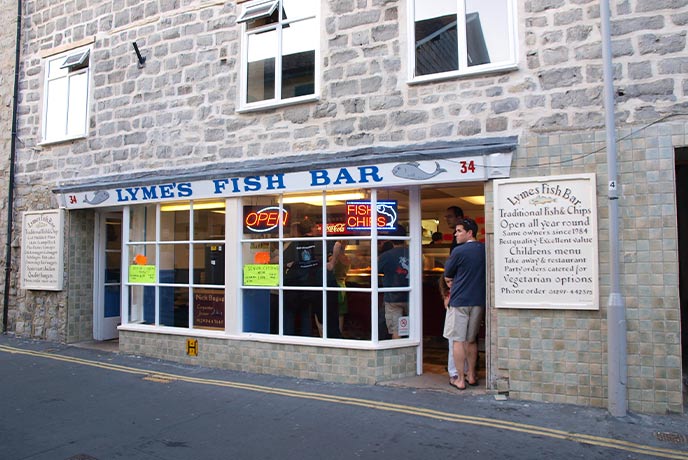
264	219
545	239
359	215
192	347
444	170
42	265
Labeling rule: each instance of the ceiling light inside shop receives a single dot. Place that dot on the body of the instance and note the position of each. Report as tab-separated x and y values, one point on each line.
196	206
478	200
316	200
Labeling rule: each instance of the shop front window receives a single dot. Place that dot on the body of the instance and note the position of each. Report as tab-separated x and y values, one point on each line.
310	264
176	262
329	265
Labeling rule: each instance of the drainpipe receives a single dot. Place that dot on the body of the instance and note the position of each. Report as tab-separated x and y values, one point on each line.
617	403
10	191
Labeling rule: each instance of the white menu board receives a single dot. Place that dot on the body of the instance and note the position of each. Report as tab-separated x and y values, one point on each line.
42	250
545	240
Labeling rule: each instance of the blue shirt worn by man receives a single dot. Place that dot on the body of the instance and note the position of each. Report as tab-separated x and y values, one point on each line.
466	266
394	265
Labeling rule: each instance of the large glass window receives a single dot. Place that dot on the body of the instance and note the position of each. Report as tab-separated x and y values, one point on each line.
176	265
280	52
313	265
462	36
330	265
65	99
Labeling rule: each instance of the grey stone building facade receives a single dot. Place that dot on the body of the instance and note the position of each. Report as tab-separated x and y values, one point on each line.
190	112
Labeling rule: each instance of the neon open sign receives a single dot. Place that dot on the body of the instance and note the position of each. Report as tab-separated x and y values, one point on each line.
359	215
264	219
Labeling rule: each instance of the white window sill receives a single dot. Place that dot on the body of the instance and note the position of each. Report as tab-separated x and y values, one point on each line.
463	74
48	142
267	105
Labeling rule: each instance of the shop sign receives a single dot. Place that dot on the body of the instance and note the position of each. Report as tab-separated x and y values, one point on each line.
42	250
445	170
264	219
545	240
336	228
209	308
359	215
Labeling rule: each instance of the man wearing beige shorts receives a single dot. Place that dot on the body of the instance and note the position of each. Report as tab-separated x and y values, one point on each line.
465	273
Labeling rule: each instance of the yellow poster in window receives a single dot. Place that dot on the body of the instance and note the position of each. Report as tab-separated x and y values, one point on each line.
261	274
142	273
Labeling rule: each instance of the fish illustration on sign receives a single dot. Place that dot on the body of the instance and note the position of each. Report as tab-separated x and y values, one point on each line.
412	171
97	198
542	200
388	211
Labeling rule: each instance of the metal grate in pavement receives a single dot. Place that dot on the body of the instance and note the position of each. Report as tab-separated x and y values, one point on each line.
674	438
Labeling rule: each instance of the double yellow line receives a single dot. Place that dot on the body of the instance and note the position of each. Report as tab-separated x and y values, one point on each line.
376	405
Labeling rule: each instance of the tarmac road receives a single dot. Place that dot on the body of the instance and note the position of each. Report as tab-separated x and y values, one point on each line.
60	402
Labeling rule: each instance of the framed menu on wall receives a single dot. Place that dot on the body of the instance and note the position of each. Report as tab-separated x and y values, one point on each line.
42	251
545	240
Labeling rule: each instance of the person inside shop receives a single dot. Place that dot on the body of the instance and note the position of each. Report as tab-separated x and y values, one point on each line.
453	215
436	239
338	265
465	271
394	266
302	267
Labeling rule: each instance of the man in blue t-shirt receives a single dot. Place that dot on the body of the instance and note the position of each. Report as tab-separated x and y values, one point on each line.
453	215
465	273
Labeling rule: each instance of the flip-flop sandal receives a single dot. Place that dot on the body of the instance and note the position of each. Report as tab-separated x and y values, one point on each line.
455	385
474	384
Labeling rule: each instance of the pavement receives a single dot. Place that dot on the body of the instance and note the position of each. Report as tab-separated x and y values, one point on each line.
407	416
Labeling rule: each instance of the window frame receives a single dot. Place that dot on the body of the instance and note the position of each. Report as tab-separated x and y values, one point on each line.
256	10
75	63
244	18
509	64
234	287
159	241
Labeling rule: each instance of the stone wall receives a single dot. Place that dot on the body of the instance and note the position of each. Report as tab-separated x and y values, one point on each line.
561	356
181	108
298	361
79	282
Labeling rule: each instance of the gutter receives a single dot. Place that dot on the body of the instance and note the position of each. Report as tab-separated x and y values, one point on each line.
10	191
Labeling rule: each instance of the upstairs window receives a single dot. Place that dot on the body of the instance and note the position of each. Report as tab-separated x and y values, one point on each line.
65	101
455	37
280	49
